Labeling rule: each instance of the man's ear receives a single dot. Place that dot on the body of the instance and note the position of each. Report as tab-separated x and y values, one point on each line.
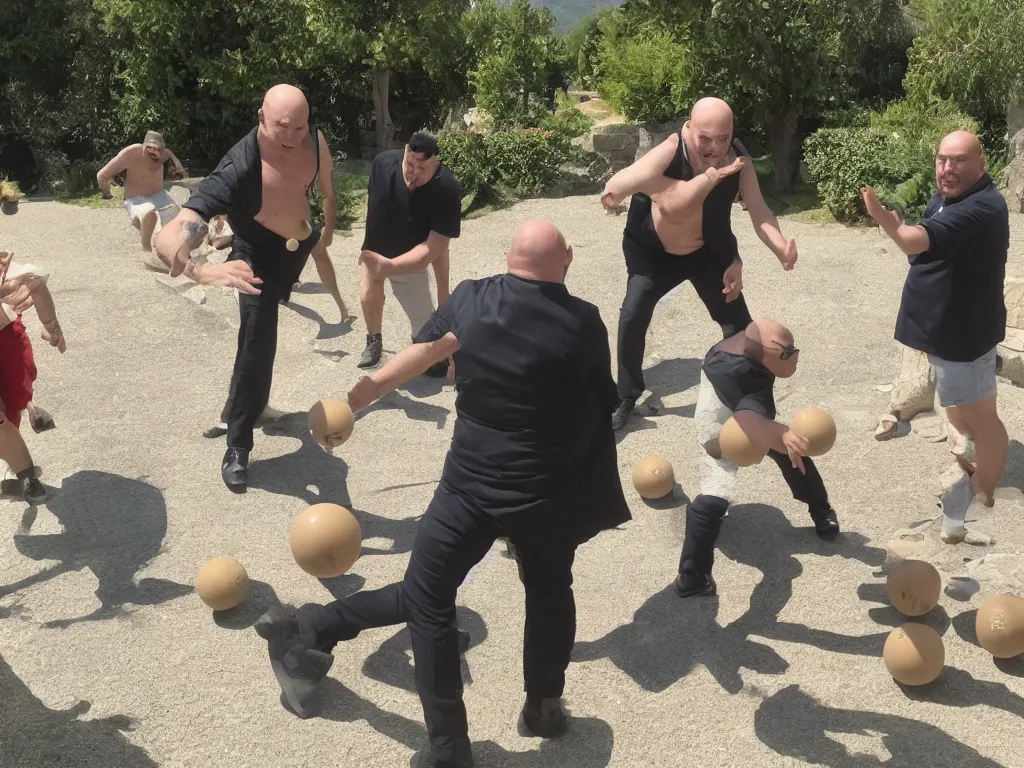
568	256
262	118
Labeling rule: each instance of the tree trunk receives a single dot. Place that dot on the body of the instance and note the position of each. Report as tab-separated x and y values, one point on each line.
385	127
782	129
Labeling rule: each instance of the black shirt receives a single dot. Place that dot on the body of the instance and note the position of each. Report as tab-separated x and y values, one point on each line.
716	223
741	382
398	220
235	188
533	444
952	304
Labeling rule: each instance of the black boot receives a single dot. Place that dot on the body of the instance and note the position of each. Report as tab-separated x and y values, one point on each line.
235	469
826	523
704	517
545	717
299	668
425	758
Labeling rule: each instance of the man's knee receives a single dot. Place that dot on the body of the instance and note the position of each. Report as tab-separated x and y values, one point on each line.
976	419
640	299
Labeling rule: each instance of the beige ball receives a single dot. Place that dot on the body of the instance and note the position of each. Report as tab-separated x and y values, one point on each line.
331	422
914	587
914	654
222	583
818	427
291	244
736	446
1000	626
654	478
325	540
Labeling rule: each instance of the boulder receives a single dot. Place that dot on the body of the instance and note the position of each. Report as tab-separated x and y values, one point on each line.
651	135
1015	119
1014	181
913	391
1013	298
1015	145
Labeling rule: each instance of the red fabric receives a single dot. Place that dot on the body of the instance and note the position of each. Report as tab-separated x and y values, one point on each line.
17	370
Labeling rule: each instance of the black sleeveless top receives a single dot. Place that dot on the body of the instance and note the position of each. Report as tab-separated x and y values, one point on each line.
716	227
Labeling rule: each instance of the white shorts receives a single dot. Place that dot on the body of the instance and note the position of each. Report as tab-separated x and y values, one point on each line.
413	293
718	474
965	383
140	205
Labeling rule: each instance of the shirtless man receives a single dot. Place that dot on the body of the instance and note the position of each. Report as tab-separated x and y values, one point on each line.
145	198
679	228
262	184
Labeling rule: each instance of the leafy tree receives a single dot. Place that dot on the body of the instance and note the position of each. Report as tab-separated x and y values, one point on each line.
970	52
519	57
784	61
645	75
388	37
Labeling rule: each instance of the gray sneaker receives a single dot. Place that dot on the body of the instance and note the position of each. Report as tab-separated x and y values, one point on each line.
622	413
34	492
371	355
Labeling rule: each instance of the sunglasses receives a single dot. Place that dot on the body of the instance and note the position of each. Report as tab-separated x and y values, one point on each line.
787	351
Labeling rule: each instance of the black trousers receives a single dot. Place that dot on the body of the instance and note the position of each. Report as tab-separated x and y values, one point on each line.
652	272
705	514
254	365
452	537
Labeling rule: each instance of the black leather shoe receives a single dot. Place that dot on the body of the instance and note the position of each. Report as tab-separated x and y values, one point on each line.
235	469
545	718
692	589
425	758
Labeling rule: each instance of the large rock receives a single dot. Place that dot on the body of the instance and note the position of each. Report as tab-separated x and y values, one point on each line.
1015	118
1014	179
913	391
1011	351
1015	146
651	136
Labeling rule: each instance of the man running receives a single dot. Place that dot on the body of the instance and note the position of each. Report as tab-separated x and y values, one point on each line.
679	228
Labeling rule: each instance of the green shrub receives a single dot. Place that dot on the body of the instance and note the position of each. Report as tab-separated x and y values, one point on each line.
645	78
567	120
522	162
350	190
895	155
528	161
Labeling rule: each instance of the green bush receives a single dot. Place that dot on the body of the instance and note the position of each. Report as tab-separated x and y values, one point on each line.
567	120
527	161
895	155
645	78
522	162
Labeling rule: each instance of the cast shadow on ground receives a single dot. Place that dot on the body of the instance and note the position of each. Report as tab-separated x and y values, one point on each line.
392	665
114	526
795	725
258	600
886	614
669	637
327	330
32	734
417	410
664	379
316	476
677	499
965	626
588	743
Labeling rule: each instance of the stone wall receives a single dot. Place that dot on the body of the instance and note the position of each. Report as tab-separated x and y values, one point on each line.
621	144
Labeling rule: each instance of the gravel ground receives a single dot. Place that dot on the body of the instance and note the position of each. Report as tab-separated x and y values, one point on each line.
108	658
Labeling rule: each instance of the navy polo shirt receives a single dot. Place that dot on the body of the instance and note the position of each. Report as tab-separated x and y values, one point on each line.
952	305
398	220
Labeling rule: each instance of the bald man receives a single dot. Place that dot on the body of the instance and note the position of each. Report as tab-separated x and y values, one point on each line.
737	380
679	228
953	309
532	458
262	185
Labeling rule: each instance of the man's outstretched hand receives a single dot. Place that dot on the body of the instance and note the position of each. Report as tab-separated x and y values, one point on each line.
732	281
887	220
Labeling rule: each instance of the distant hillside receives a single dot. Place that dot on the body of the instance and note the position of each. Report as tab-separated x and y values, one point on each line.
568	12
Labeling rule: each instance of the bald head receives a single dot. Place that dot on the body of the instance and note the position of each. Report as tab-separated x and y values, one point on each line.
539	252
771	342
284	116
959	163
708	133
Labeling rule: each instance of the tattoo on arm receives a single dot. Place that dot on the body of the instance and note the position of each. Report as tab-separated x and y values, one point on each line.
193	233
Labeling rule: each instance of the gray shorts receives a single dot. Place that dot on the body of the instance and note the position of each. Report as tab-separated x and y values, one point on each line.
965	383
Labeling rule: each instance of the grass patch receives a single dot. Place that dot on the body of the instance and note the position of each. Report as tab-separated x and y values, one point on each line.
802	203
96	200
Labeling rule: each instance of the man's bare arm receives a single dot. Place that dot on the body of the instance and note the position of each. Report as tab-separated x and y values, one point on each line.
325	179
417	259
646	175
403	367
177	163
766	225
441	267
114	167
